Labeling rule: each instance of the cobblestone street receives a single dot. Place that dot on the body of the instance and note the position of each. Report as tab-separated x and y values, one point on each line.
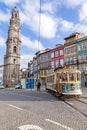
40	109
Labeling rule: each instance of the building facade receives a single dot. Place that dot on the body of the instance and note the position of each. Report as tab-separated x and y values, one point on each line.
57	56
35	67
12	57
40	65
70	50
23	73
31	69
43	64
82	54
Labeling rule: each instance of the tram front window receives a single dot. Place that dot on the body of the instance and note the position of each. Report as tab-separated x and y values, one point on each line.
78	76
71	76
64	76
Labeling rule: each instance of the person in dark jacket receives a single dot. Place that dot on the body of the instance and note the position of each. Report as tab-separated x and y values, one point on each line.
38	86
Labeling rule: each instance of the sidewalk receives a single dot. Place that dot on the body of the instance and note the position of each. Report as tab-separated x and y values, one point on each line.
84	92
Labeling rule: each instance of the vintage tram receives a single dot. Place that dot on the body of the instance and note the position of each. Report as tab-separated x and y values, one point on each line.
65	81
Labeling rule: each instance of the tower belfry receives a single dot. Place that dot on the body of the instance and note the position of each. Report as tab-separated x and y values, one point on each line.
12	57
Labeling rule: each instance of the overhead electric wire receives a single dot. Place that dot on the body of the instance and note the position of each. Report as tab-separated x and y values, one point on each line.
39	24
80	25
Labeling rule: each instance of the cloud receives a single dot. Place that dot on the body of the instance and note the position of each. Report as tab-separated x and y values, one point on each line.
25	58
74	3
49	26
83	12
30	16
2	41
10	2
47	7
66	26
32	44
4	17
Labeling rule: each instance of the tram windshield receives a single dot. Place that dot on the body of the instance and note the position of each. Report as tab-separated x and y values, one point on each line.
71	76
64	76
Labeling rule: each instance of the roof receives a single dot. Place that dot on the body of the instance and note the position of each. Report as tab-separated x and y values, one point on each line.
72	35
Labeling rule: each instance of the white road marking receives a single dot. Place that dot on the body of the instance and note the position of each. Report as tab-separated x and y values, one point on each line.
56	123
30	127
15	107
21	95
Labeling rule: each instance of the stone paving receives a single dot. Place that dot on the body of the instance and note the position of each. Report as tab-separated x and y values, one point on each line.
36	111
84	92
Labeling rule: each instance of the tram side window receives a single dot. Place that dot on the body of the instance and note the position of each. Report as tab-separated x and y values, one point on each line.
50	79
60	77
78	76
71	76
64	76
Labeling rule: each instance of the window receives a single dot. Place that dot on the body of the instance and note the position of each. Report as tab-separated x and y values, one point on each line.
85	57
57	63
86	67
84	46
52	54
45	72
52	64
14	71
56	53
71	76
15	15
61	62
80	47
74	49
14	61
41	72
63	76
66	51
14	49
49	56
67	60
75	59
79	57
61	52
70	60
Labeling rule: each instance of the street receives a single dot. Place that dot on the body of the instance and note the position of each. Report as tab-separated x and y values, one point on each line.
23	109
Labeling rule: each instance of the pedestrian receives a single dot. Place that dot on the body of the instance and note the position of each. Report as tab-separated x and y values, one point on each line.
38	85
85	81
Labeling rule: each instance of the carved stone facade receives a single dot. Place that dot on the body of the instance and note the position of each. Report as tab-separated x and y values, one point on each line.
12	57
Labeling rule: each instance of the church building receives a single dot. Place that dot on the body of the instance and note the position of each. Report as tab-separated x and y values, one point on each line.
12	57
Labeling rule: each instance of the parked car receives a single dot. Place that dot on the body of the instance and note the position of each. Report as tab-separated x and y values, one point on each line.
1	86
18	86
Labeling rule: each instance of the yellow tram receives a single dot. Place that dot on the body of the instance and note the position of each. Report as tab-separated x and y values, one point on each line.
64	81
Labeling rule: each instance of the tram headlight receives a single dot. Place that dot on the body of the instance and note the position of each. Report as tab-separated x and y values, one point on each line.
73	86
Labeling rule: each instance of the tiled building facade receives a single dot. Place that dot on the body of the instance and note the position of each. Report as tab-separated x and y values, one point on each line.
72	53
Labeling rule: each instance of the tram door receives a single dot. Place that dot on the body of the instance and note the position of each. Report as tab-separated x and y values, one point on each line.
58	81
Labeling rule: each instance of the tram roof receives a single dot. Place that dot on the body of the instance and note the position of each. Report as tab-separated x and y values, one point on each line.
65	69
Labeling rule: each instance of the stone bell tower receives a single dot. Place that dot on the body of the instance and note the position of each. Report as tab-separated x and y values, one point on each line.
12	57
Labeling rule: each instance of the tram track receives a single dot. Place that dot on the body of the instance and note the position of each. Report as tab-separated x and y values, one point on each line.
81	101
74	102
77	104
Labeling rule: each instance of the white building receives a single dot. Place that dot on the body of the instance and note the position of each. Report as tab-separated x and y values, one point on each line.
1	74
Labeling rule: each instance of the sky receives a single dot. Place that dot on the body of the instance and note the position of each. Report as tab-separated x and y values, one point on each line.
42	26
